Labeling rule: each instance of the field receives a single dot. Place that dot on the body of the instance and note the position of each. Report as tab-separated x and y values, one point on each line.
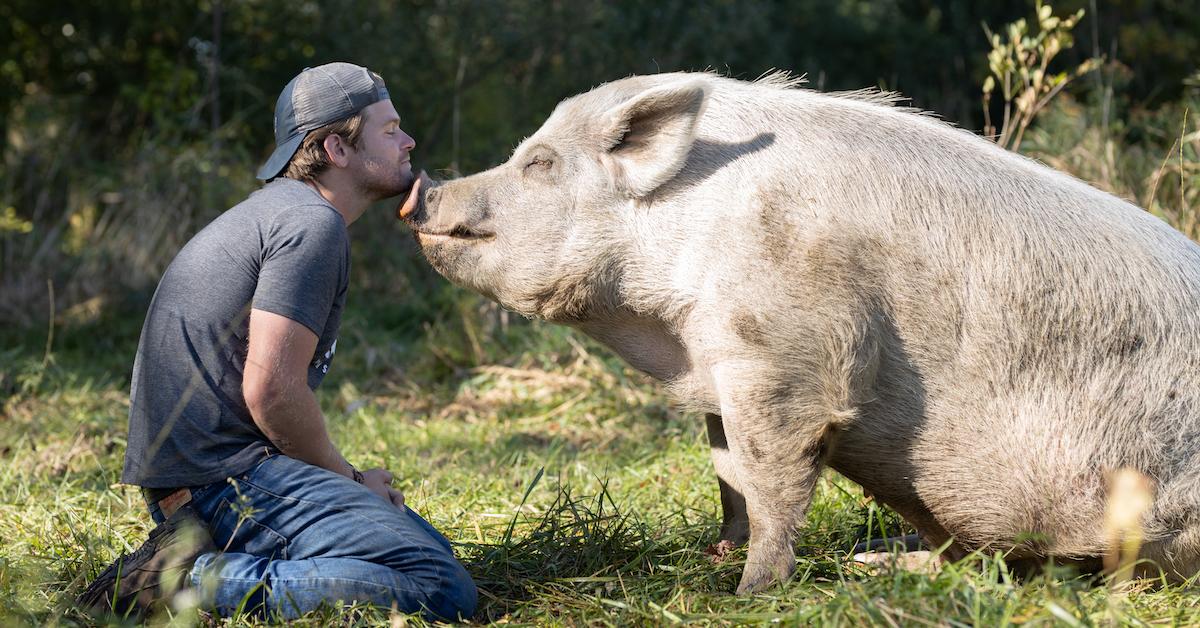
573	492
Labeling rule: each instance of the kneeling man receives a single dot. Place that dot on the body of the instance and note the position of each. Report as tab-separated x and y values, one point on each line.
256	505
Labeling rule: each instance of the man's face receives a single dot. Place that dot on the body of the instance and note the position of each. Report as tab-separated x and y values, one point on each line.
381	161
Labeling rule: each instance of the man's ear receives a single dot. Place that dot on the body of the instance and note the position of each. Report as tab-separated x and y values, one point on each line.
336	149
648	137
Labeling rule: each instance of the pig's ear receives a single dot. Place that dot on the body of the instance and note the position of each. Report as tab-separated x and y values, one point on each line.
649	136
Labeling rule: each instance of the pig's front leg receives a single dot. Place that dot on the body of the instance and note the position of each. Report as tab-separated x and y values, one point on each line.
775	444
735	524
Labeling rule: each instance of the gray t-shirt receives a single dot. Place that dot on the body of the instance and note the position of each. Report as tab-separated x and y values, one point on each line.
285	250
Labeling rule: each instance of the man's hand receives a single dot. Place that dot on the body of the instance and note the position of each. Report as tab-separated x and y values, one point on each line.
380	483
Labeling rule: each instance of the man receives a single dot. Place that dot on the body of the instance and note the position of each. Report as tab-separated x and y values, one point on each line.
225	433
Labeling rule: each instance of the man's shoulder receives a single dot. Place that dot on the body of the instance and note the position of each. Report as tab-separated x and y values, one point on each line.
280	213
279	209
282	195
287	201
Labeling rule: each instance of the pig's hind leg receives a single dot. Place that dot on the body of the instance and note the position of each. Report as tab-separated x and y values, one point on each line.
735	523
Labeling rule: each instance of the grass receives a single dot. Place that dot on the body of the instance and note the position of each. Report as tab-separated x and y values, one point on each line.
574	494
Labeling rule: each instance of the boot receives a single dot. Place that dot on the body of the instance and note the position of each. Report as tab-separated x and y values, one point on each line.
149	577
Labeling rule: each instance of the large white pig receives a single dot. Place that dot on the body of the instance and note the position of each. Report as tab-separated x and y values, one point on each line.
978	340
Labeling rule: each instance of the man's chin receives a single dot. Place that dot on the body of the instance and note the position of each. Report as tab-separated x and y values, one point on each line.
407	179
390	189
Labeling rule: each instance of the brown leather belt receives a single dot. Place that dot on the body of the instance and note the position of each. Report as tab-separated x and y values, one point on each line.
168	500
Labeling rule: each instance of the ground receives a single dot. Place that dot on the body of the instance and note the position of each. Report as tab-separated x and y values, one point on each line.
572	491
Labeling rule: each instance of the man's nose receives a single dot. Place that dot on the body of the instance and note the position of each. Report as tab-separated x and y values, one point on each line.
407	142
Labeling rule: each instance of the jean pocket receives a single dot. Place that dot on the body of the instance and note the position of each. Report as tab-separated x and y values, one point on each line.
235	529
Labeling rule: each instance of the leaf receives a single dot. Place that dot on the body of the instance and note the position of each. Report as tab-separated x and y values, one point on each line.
1064	615
1053	46
10	221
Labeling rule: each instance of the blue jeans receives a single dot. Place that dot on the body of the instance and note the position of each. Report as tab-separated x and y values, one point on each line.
296	536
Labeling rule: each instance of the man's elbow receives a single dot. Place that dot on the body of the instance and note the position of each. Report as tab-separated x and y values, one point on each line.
263	396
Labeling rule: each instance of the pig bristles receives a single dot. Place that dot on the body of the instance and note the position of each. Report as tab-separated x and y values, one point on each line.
781	79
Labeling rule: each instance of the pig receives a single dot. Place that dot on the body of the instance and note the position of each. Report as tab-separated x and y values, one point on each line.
978	340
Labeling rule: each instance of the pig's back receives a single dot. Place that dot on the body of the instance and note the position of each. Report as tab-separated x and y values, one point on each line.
1029	264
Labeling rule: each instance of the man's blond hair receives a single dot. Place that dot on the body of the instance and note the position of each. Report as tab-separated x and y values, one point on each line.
311	159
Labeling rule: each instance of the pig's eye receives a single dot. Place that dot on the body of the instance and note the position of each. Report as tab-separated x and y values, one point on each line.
539	163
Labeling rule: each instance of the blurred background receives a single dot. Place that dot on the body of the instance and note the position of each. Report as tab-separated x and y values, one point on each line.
129	125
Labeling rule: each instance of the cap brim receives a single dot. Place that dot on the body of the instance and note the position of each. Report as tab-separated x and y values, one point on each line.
280	158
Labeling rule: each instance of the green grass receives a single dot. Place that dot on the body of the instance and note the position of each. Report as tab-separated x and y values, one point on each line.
573	492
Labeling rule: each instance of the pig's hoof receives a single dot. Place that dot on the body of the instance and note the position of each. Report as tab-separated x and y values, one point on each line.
760	574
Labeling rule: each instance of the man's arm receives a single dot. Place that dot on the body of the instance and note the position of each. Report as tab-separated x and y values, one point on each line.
275	387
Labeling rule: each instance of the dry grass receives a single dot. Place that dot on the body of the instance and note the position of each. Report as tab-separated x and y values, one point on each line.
573	493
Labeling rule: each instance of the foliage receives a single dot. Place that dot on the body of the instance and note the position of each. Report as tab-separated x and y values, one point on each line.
1020	63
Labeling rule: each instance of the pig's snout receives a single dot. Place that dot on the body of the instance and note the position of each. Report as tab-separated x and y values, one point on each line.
433	218
430	199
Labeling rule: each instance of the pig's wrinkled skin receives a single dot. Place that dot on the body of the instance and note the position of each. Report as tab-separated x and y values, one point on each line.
976	339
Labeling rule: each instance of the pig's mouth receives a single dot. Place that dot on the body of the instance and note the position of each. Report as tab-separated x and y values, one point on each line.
458	232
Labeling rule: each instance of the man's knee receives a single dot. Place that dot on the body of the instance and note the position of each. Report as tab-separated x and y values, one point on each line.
456	597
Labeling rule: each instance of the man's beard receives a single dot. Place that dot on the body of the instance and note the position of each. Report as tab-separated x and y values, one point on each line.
381	180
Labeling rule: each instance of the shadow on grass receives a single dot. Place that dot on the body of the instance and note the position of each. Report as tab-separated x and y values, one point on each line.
585	547
583	555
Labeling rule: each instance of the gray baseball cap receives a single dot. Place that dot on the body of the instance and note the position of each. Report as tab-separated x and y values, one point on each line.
316	97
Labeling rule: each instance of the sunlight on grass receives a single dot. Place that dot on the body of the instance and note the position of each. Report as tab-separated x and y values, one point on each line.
572	492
